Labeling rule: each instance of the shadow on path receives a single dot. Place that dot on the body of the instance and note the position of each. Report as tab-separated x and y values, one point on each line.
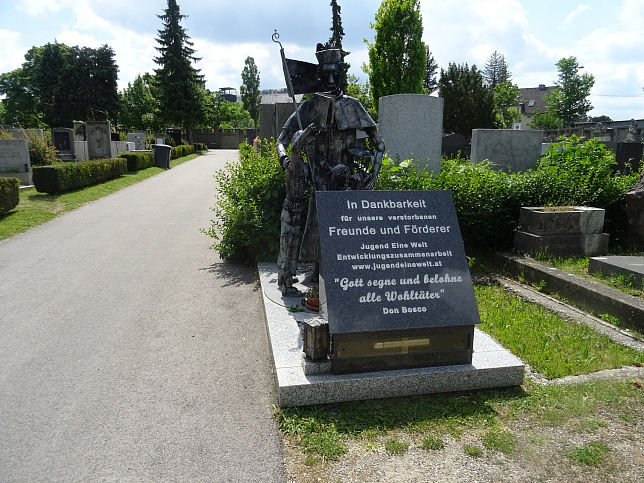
234	274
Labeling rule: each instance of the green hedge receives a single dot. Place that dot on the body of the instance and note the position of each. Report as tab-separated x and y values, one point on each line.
181	150
137	161
63	177
200	147
9	197
487	201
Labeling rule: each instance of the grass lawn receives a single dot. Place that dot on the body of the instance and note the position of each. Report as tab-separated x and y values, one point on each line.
552	346
36	208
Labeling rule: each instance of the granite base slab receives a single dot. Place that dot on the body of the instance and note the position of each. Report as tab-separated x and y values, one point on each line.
579	244
628	266
492	365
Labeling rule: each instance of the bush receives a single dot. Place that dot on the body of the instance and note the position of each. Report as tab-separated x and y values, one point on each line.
487	201
249	203
41	152
137	161
199	147
63	177
181	150
9	194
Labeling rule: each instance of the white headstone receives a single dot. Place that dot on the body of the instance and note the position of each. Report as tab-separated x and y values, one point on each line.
412	126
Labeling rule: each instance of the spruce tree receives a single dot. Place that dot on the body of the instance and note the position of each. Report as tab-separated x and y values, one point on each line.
177	80
430	82
496	70
337	34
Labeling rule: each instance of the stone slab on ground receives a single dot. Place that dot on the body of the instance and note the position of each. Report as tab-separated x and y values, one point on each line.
619	265
492	365
591	296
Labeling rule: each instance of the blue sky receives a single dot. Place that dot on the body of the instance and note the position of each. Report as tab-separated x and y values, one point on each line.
606	37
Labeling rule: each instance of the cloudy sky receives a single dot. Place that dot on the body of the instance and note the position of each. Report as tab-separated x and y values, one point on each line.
606	37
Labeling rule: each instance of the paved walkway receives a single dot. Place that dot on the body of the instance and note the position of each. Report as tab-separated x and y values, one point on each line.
128	350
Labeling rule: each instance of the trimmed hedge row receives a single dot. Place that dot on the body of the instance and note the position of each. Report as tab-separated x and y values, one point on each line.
137	161
63	177
181	150
9	198
200	147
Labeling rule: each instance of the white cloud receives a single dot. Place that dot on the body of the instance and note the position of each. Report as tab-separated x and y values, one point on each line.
580	9
12	52
35	8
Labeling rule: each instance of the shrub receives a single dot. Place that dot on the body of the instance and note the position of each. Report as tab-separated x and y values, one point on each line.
63	177
9	194
487	201
41	151
249	203
137	161
199	147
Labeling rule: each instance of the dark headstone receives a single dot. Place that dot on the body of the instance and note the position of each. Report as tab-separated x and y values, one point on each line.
175	134
63	140
628	156
635	211
394	283
114	136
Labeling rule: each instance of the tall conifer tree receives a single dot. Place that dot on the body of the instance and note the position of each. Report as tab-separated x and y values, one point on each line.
178	81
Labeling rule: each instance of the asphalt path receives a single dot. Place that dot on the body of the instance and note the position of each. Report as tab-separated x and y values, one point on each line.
128	350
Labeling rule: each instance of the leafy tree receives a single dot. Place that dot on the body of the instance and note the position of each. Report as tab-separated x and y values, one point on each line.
496	70
20	104
362	92
57	84
249	91
337	34
602	118
177	80
397	58
547	119
569	101
430	82
218	113
469	104
505	103
139	108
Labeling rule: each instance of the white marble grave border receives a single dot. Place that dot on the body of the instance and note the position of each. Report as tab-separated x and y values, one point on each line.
492	365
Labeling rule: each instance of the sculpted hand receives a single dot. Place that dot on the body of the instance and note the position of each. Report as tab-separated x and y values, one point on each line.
301	137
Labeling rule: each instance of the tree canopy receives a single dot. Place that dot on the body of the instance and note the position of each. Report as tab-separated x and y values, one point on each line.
570	99
139	108
469	104
249	90
178	82
58	84
397	58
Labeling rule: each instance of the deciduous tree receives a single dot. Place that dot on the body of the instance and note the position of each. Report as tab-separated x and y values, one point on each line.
570	99
397	58
139	108
505	103
249	90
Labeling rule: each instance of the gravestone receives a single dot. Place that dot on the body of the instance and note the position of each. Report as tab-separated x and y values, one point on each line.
634	198
63	140
14	160
630	267
138	138
561	231
26	133
98	139
628	156
80	131
507	149
175	134
394	283
411	126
